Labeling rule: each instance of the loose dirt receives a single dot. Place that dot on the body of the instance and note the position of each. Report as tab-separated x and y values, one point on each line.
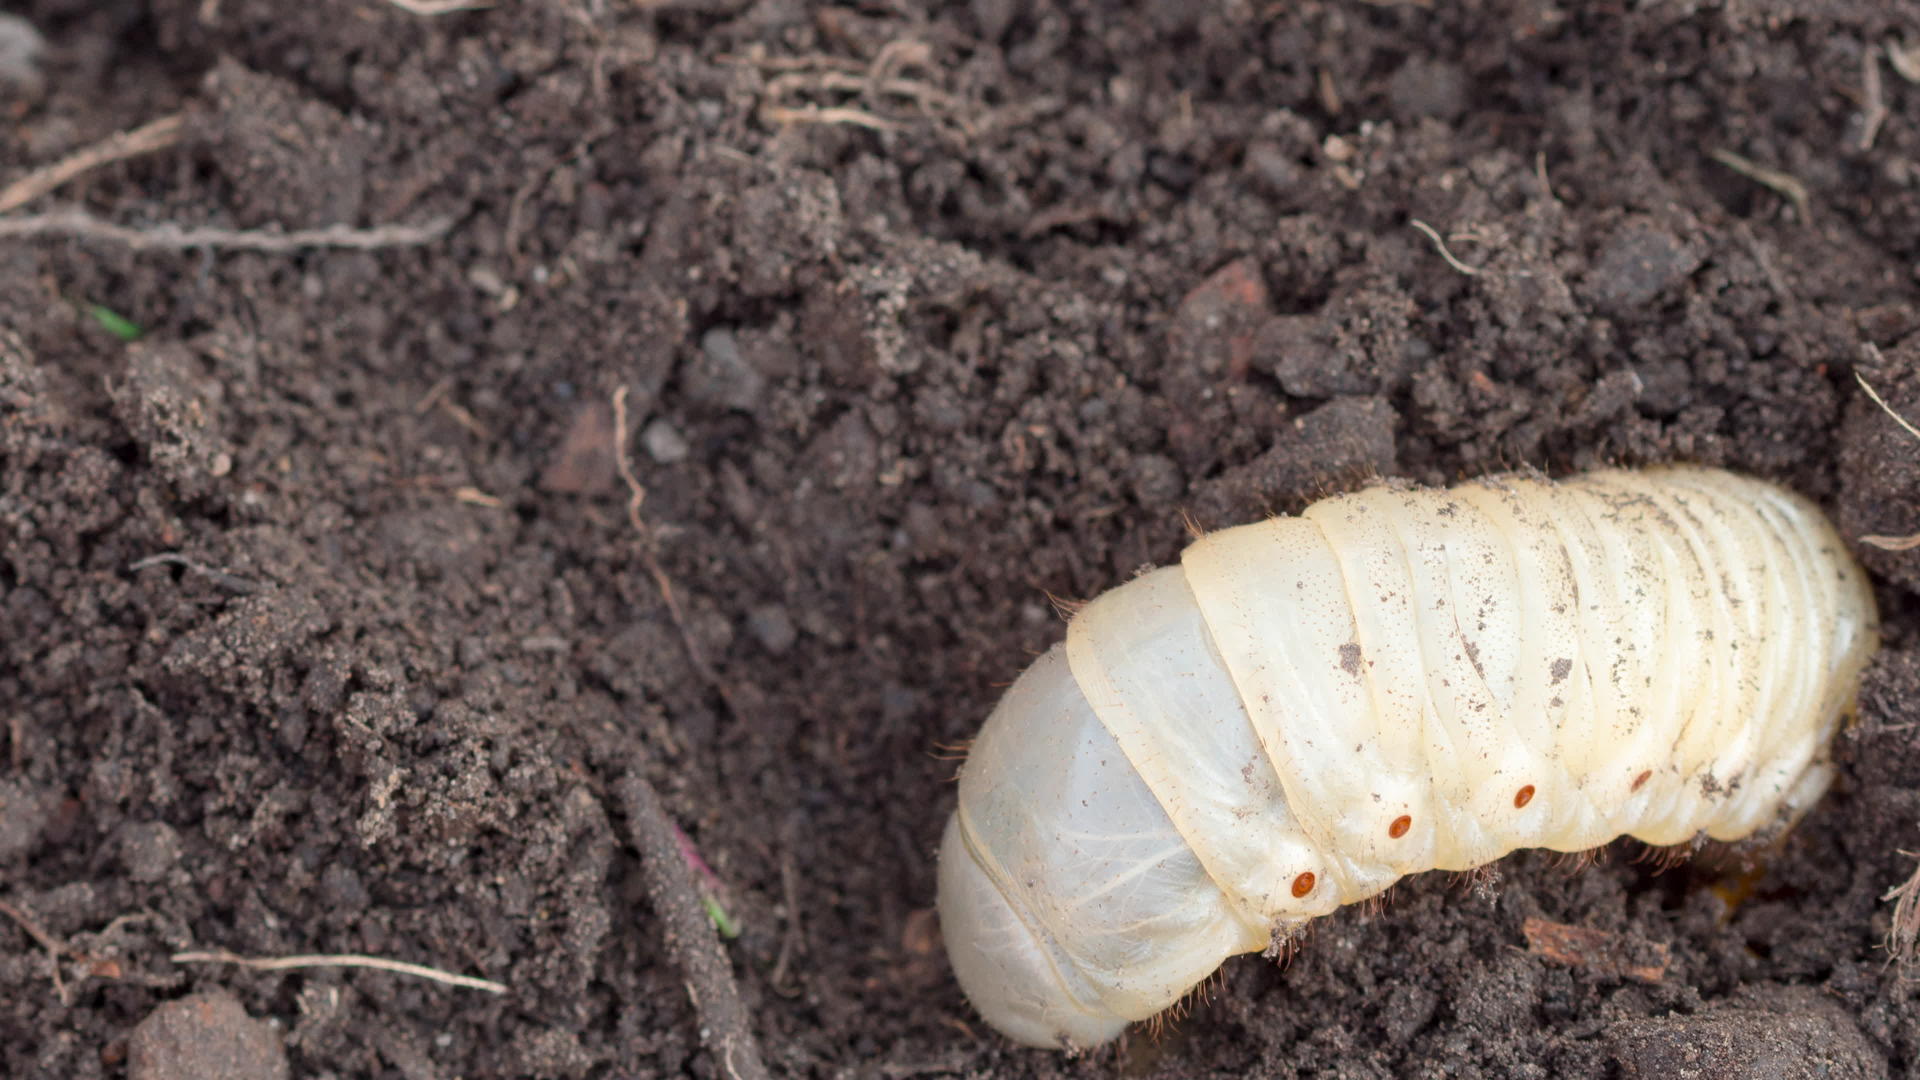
324	627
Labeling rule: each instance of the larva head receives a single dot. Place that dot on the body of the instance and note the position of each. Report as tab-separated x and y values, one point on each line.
1017	981
1070	905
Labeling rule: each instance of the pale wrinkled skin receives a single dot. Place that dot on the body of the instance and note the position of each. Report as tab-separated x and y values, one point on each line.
1306	709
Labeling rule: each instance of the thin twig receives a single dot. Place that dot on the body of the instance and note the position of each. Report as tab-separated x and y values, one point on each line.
871	83
724	1024
794	938
1887	543
1905	59
812	62
340	960
231	582
1874	112
171	237
473	496
1783	183
33	929
433	395
636	494
1882	402
1906	916
1765	260
846	82
782	115
1434	235
145	139
430	8
55	950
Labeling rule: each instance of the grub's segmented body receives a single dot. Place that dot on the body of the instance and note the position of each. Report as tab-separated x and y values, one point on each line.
1306	709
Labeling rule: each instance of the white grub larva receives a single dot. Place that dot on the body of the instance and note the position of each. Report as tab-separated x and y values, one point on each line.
1306	709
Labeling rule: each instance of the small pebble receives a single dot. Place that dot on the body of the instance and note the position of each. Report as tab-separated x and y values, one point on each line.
721	375
663	442
21	47
1638	263
24	815
772	627
205	1037
149	849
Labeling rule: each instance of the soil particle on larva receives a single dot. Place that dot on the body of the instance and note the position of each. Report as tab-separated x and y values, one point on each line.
1350	658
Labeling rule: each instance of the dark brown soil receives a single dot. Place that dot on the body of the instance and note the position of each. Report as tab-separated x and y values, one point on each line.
923	317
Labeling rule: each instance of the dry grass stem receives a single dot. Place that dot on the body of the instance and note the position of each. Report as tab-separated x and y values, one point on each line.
170	237
340	960
782	115
636	495
1440	245
430	8
1783	183
1884	407
1905	59
157	135
1873	112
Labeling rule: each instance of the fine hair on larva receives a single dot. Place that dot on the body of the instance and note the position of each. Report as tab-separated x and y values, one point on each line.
1302	711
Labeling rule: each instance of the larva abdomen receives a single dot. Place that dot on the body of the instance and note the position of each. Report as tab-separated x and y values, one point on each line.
1306	709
